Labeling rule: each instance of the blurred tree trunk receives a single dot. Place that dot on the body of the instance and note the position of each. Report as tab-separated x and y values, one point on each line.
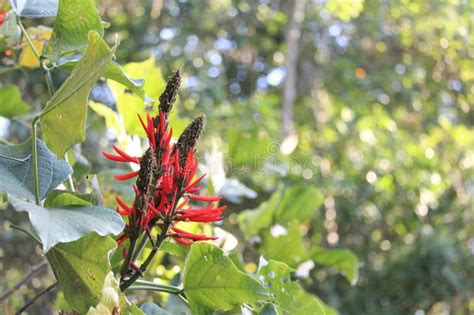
290	137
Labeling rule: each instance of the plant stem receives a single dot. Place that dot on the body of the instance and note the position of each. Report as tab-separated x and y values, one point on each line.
26	279
128	258
164	233
46	71
157	286
35	160
36	298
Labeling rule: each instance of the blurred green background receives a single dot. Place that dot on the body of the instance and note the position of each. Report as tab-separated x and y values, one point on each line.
377	100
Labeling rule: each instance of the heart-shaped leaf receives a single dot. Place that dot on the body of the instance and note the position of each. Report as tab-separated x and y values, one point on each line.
74	20
64	118
80	268
68	223
16	167
212	281
287	295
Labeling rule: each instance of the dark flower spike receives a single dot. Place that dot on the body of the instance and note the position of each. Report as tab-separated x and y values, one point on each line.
166	182
168	97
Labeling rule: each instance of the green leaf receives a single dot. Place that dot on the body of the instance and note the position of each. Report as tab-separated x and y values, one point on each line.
129	105
248	147
288	247
58	198
252	221
80	268
114	72
16	167
212	281
287	294
343	259
133	310
174	249
11	104
63	120
298	202
33	9
152	309
68	223
295	202
74	20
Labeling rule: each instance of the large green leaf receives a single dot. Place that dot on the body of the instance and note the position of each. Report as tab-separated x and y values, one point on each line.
114	72
287	295
68	223
294	202
343	259
298	202
253	221
16	168
80	268
63	120
287	247
11	103
74	20
212	281
35	9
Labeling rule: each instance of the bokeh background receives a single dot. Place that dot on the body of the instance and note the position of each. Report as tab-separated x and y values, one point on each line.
369	102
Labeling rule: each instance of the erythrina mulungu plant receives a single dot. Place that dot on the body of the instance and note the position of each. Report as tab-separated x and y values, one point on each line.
164	186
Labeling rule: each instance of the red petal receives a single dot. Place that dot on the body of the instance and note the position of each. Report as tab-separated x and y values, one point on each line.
195	182
204	198
182	241
126	176
133	159
116	158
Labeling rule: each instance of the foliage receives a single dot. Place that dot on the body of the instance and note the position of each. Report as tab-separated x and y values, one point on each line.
371	213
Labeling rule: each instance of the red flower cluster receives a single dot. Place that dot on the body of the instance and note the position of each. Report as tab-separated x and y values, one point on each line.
164	184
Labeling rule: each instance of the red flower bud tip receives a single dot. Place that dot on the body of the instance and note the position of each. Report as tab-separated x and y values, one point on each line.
116	158
124	252
126	176
197	181
182	241
129	158
195	237
127	210
121	239
204	198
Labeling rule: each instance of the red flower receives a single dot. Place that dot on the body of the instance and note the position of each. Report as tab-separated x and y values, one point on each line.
165	181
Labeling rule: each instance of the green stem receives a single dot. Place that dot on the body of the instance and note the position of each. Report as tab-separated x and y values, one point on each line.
128	258
158	285
124	285
46	71
35	160
69	183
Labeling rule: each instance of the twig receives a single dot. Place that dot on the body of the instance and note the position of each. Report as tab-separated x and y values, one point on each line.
34	138
33	271
36	298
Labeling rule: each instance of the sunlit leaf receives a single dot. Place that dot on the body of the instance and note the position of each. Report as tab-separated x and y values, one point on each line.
287	294
211	281
114	72
63	120
287	247
74	20
80	268
39	35
11	104
343	259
